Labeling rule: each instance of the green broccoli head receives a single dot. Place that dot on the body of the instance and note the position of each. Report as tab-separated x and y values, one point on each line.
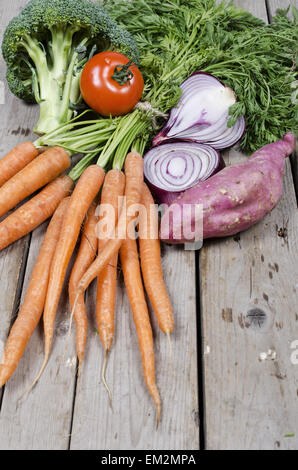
46	46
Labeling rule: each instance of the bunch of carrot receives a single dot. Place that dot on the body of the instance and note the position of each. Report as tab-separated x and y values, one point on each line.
23	171
97	256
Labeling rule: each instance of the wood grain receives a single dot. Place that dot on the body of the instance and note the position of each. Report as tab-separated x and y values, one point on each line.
249	320
249	311
42	419
16	123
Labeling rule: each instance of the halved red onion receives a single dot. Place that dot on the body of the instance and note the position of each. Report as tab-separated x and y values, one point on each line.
202	114
172	168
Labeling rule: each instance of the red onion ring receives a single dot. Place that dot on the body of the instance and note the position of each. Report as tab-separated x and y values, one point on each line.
172	168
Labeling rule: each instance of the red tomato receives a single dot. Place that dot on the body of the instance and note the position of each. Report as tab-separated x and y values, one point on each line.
105	94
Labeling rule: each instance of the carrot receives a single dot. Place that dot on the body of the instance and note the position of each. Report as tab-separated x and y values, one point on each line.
43	169
81	199
86	254
134	178
112	190
35	211
133	281
16	160
151	264
32	308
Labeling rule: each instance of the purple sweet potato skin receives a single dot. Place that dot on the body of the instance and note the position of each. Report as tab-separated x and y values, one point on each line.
235	198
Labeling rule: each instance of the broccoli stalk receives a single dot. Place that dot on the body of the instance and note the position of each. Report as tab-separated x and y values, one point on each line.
52	86
46	47
57	86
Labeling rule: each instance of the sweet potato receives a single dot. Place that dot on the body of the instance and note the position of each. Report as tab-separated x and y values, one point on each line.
235	198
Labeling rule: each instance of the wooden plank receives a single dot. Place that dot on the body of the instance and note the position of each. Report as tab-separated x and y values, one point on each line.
131	425
249	315
42	420
16	121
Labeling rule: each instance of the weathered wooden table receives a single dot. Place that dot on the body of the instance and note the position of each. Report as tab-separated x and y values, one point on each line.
235	384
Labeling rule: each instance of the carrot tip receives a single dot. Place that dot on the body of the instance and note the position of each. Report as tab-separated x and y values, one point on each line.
171	353
73	311
36	379
2	380
80	369
103	378
79	377
158	415
69	331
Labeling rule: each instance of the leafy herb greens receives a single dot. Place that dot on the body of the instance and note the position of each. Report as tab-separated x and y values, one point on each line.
175	39
258	61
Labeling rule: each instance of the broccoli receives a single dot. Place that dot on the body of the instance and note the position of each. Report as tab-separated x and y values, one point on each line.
45	48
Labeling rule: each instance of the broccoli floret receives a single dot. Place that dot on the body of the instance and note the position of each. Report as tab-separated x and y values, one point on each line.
45	48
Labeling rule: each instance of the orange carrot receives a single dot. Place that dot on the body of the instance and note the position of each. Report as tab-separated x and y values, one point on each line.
86	254
43	169
16	160
32	308
134	178
35	211
112	190
133	281
151	263
81	199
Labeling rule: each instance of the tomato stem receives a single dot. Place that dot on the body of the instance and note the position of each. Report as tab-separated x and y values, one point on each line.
122	73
